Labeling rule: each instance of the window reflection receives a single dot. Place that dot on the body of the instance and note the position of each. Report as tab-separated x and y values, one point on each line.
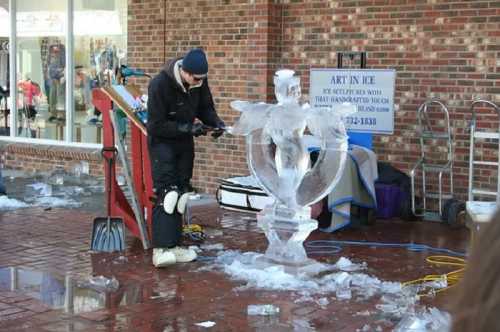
100	41
100	48
41	64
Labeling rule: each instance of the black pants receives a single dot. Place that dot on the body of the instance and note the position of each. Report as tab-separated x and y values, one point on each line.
172	167
172	164
167	228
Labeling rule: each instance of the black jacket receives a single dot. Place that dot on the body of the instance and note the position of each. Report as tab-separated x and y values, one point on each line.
170	102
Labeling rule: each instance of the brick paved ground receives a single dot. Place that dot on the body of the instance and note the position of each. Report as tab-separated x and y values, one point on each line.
51	249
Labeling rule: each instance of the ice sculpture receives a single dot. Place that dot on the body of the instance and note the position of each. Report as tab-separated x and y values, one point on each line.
278	157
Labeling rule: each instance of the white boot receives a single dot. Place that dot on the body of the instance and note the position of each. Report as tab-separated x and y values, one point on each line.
163	257
183	255
170	201
182	202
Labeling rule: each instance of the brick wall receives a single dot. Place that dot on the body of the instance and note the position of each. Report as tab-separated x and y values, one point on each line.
440	49
234	35
35	158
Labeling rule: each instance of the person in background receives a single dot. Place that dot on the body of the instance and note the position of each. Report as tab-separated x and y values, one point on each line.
30	91
478	298
56	67
3	191
177	96
82	89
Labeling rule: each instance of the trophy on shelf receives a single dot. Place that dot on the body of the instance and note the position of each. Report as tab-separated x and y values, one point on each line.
278	156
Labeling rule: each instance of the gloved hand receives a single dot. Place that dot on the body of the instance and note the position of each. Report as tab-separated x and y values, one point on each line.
184	128
199	129
219	129
195	129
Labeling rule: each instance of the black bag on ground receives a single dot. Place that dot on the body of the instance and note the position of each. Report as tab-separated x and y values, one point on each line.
167	228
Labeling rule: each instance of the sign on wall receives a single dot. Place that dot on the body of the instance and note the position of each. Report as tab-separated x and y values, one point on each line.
371	90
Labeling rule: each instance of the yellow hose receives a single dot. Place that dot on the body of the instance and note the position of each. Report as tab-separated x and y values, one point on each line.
452	278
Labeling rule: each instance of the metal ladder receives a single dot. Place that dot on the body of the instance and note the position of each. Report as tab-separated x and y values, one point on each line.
427	132
483	134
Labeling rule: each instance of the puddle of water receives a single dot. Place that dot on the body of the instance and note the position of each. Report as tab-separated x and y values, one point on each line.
41	189
65	293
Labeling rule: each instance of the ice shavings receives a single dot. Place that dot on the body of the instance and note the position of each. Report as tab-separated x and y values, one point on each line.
429	288
302	325
262	310
394	301
245	267
38	189
366	328
74	191
274	278
363	313
344	264
215	246
11	203
425	320
395	305
56	202
41	194
206	324
304	298
343	286
323	302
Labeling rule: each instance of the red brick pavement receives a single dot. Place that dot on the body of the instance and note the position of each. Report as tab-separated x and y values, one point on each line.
54	245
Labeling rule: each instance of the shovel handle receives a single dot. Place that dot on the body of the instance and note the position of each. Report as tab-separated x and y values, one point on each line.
109	149
109	160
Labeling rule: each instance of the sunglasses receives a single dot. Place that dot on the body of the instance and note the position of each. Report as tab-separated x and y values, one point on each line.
198	78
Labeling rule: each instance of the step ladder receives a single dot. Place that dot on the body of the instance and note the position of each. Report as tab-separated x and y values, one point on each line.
481	202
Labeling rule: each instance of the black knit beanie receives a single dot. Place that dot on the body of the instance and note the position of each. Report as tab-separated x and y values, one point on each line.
195	62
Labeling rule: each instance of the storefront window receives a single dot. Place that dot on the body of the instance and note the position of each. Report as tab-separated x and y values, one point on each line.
100	42
41	63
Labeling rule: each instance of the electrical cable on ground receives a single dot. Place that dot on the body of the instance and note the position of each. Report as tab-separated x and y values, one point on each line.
335	246
194	232
451	278
426	288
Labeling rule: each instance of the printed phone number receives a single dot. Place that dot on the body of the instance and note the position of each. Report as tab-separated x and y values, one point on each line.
354	120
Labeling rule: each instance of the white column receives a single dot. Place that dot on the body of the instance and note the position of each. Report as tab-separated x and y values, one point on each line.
69	73
13	68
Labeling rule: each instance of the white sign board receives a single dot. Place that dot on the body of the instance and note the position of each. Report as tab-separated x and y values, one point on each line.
371	90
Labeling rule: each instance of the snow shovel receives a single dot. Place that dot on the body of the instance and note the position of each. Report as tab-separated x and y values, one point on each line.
108	234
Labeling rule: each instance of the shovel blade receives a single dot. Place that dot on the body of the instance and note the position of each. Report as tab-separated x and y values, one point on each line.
108	235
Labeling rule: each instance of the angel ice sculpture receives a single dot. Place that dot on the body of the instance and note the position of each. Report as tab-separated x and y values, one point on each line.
278	157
